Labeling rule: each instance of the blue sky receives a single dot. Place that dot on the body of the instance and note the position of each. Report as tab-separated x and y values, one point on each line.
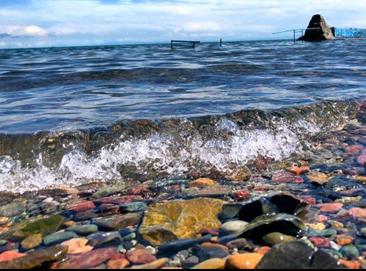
34	23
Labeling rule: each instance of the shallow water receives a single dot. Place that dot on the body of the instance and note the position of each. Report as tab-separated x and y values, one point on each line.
74	88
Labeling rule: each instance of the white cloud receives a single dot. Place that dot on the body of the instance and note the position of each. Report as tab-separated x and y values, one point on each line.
82	21
25	31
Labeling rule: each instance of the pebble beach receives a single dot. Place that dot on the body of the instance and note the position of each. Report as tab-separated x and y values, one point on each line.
306	211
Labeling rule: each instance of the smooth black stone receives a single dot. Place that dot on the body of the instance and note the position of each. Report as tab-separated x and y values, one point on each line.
204	253
174	247
125	232
104	239
297	255
278	203
226	239
283	223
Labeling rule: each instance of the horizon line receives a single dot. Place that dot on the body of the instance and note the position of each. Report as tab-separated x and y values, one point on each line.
137	43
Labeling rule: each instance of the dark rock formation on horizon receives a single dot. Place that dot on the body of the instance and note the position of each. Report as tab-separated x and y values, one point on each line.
318	30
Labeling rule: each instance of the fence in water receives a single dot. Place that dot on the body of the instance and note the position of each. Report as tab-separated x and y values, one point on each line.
339	32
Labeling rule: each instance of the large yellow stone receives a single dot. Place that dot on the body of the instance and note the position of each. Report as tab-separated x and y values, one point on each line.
184	219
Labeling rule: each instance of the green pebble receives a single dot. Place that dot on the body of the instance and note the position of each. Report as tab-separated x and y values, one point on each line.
323	233
333	253
58	237
350	252
84	229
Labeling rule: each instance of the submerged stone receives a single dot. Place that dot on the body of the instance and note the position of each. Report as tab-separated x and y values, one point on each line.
58	237
210	251
275	238
278	203
90	259
42	226
84	229
157	264
296	255
233	227
202	182
140	256
230	212
185	219
117	222
77	246
350	252
13	209
133	207
179	245
283	223
32	241
109	190
10	255
104	238
215	263
243	261
36	259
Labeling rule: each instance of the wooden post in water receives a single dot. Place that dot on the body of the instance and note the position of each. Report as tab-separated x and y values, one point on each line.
220	42
294	36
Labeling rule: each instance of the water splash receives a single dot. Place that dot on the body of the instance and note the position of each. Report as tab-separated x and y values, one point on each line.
178	148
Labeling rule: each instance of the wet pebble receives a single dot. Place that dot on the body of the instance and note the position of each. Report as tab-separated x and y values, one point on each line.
140	256
58	237
243	261
233	227
350	252
32	241
133	207
275	238
84	229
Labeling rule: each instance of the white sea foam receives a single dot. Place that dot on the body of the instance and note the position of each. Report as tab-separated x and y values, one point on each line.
158	153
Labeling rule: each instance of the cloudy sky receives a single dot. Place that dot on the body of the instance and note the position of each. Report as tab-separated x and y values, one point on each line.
34	23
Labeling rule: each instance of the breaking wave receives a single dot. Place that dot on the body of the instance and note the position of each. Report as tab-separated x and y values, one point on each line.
171	148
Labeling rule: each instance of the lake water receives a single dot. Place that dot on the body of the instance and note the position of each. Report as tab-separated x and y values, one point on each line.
74	115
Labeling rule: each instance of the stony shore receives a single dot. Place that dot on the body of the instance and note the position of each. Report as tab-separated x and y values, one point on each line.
306	212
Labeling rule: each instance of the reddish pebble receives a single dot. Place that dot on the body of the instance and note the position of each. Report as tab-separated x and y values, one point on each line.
211	245
139	189
298	170
242	194
330	207
213	232
344	240
82	206
320	242
243	261
202	182
298	180
263	250
117	200
88	260
361	159
140	256
350	264
357	212
309	200
10	255
283	177
322	218
117	263
354	149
